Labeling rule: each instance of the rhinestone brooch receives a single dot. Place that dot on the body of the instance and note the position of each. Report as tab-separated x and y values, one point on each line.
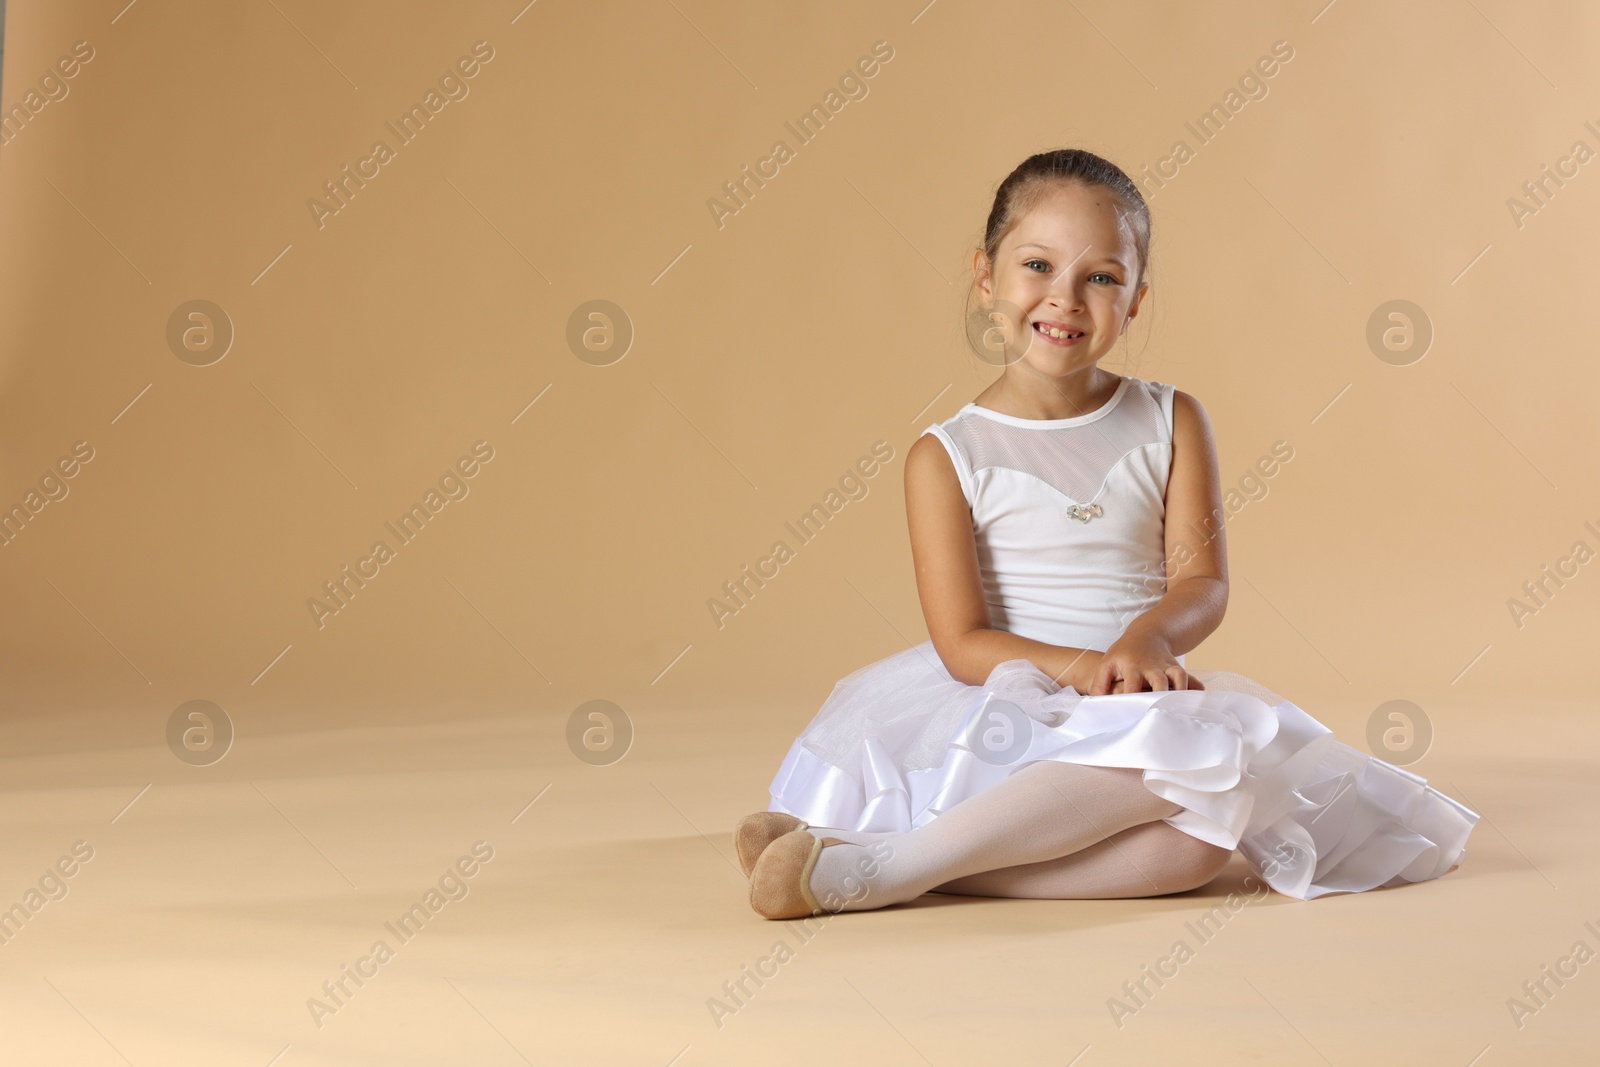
1084	514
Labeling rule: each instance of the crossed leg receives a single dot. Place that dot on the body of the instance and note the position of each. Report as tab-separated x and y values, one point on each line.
1151	859
1023	836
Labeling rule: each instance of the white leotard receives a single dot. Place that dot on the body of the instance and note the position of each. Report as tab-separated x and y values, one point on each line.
1047	575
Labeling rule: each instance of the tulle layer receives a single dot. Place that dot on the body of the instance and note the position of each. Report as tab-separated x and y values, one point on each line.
899	741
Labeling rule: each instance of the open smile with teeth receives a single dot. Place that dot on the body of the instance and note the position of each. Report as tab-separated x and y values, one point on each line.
1056	333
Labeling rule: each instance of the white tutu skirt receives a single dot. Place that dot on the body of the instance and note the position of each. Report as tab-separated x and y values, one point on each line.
900	741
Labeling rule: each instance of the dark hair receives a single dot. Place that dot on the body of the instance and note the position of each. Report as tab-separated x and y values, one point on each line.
1037	174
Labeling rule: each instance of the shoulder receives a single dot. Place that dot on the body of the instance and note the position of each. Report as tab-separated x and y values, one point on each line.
1188	414
937	469
1191	427
930	454
1186	421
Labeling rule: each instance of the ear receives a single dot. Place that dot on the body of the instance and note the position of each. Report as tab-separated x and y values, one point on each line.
1133	308
982	275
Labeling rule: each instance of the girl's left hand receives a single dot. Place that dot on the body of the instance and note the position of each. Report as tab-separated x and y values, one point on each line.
1138	662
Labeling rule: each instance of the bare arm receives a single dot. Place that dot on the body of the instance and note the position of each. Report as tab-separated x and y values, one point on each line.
950	586
1196	564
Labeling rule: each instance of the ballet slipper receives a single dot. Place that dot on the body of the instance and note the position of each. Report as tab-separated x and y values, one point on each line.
780	883
755	832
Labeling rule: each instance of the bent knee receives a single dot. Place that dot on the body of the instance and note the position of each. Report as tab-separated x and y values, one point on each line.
1189	863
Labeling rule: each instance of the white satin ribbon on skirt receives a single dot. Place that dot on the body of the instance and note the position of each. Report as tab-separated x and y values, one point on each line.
899	741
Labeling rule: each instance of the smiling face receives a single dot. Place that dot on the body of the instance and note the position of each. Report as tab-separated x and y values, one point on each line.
1068	270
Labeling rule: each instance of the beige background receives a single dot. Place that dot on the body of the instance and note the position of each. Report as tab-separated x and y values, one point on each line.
770	354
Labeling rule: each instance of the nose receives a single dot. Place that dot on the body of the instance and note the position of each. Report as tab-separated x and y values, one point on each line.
1064	296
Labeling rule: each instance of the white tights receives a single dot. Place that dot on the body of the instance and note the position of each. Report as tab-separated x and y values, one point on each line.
1052	829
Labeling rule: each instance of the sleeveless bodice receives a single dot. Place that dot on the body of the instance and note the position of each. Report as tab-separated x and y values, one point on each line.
1068	514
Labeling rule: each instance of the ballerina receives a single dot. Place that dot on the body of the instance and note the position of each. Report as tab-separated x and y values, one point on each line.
1047	740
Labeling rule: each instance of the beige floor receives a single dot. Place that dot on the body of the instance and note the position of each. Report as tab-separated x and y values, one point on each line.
217	904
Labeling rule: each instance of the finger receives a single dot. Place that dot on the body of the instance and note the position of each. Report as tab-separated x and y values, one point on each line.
1157	679
1128	679
1178	677
1124	678
1118	682
1195	683
1104	676
1112	675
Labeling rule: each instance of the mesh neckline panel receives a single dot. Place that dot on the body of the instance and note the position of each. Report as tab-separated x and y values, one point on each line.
1073	456
1045	424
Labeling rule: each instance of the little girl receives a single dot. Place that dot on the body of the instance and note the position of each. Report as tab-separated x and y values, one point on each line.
1047	741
